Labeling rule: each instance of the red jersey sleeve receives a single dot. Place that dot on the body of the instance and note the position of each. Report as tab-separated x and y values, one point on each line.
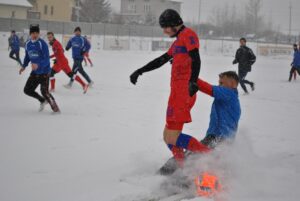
191	40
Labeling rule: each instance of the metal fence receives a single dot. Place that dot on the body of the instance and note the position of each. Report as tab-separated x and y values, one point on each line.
7	24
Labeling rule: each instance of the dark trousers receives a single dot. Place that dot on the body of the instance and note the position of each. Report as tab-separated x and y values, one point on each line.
17	56
294	69
77	67
43	80
243	81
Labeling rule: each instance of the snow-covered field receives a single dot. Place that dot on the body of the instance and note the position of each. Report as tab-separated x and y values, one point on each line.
107	144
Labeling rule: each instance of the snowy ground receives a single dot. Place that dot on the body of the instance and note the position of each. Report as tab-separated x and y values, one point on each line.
107	144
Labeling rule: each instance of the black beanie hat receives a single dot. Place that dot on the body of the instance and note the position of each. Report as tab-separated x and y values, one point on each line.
34	28
77	29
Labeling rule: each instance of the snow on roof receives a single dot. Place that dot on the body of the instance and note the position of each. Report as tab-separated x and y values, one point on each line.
178	1
23	3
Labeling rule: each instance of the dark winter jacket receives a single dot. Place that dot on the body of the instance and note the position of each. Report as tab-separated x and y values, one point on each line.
245	58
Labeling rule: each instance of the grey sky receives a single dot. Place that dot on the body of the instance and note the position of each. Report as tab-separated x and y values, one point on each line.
277	10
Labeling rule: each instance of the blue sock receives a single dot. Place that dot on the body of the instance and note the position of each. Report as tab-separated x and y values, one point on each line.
183	141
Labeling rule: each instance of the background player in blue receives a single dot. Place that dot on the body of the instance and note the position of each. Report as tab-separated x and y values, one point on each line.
79	46
37	52
296	62
14	45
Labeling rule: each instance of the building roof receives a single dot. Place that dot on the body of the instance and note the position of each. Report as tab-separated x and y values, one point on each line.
22	3
178	1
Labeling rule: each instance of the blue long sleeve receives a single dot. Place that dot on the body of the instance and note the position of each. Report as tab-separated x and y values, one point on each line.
45	55
69	45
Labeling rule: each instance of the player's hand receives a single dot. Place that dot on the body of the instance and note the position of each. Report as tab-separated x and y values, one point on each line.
234	62
134	77
34	67
193	88
21	70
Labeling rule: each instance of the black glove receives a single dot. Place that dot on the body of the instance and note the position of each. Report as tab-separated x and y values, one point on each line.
134	76
54	61
193	88
234	62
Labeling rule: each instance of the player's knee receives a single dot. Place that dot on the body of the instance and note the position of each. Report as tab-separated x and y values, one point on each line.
27	90
170	137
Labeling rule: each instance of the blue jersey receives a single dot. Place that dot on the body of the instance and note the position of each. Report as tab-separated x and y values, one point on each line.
296	61
14	42
225	112
37	52
78	45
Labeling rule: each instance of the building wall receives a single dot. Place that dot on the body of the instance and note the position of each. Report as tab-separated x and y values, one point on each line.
145	7
8	12
54	10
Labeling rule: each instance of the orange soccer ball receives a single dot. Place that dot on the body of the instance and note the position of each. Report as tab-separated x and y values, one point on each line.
207	185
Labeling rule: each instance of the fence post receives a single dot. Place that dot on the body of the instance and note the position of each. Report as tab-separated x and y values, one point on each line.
104	34
91	29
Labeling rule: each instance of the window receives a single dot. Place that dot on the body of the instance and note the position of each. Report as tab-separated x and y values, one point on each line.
13	14
147	8
132	8
131	0
52	10
45	10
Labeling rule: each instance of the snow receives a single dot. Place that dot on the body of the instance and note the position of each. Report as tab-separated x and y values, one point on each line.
107	144
23	3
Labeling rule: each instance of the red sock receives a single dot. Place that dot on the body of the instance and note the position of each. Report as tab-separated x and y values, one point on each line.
196	146
178	154
52	80
78	79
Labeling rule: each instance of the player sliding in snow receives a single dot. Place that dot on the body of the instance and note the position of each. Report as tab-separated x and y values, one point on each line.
79	47
37	52
185	70
224	117
61	63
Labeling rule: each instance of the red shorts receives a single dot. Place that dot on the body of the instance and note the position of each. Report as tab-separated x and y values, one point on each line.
179	107
86	55
62	66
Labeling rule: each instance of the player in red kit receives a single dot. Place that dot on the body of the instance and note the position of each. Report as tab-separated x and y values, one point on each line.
185	71
61	63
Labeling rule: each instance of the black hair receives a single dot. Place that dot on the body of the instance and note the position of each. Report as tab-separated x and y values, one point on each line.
77	29
50	33
13	31
230	74
243	39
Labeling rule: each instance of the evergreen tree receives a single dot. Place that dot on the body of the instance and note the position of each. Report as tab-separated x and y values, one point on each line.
94	11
